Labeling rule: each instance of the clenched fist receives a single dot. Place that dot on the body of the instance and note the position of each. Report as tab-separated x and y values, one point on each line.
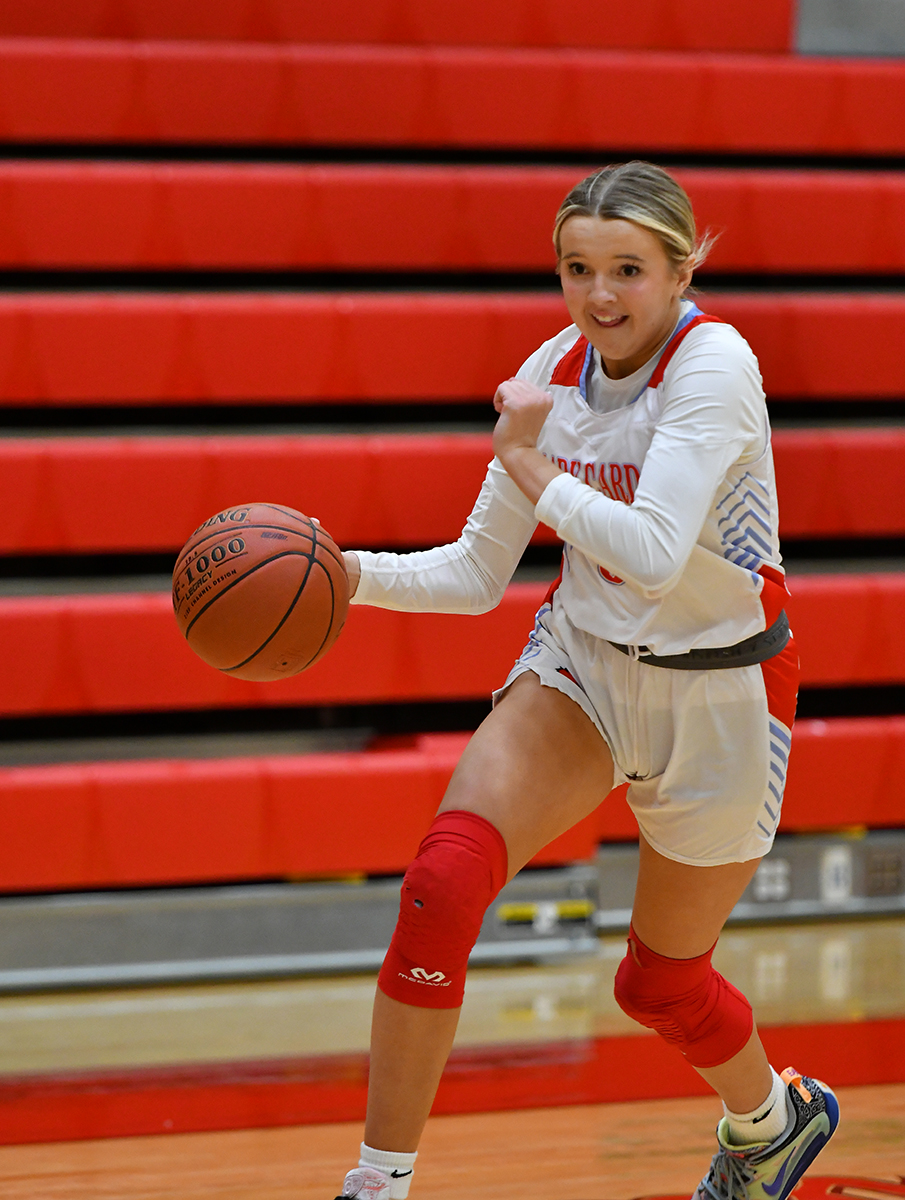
523	408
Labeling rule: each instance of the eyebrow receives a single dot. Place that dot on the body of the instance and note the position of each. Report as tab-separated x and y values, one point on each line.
578	254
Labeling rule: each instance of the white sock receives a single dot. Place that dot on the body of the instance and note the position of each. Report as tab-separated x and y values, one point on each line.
765	1123
397	1167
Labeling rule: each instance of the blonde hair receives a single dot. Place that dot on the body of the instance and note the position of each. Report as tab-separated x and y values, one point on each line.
645	194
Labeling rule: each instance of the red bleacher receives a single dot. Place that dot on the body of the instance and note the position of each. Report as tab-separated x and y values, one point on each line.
842	482
240	93
106	348
76	214
136	823
645	25
122	652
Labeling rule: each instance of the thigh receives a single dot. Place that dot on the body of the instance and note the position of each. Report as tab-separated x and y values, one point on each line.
535	766
680	909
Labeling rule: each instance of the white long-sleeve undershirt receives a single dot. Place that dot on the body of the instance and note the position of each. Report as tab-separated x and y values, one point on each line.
469	575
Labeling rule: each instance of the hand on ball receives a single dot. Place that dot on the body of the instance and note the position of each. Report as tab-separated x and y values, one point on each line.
353	570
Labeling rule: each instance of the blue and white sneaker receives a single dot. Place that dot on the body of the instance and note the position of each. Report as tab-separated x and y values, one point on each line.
770	1170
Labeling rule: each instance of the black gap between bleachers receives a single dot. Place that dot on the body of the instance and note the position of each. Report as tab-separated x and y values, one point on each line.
464	156
337	279
796	553
243	415
246	416
388	720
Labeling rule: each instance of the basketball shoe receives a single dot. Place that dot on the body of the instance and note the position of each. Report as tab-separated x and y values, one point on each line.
769	1170
365	1183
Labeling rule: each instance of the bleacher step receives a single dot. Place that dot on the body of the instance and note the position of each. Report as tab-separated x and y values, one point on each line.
265	930
804	877
237	94
157	507
110	347
303	217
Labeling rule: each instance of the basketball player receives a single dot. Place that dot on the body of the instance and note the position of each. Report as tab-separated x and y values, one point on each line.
662	656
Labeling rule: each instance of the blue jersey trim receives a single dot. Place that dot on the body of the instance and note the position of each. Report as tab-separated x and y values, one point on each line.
585	372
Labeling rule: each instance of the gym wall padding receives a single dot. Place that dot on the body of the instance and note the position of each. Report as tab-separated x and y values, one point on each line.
109	824
326	216
122	347
56	492
645	25
205	820
227	93
122	652
840	482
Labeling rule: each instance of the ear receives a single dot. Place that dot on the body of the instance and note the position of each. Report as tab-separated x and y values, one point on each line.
684	272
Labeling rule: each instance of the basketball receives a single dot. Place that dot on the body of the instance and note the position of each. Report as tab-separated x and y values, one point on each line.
260	592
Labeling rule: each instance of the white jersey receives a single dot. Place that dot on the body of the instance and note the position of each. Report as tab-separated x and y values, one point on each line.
666	503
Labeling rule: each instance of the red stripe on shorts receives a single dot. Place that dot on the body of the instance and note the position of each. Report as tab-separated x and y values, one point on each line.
781	672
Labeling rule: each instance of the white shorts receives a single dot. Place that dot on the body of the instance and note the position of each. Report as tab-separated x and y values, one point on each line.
703	752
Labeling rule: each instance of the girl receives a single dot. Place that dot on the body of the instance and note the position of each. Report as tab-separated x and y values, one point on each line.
662	656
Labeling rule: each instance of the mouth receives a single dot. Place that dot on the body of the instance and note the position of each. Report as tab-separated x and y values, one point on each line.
608	322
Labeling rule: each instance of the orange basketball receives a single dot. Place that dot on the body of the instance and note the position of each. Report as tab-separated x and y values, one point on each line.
260	591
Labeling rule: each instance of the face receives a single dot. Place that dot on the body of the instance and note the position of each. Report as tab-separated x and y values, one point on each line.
620	288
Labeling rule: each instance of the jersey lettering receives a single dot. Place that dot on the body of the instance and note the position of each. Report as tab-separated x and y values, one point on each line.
615	480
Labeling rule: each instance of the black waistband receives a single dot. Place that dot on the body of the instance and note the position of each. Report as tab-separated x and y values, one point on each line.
755	649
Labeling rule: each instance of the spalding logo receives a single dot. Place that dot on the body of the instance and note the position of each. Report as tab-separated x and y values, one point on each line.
236	515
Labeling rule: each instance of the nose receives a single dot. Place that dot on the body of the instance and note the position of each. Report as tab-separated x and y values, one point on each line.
600	291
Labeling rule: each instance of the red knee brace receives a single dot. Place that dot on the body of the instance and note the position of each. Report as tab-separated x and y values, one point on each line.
460	866
686	1001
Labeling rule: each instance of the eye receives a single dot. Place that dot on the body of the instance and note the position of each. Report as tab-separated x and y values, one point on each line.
577	268
630	270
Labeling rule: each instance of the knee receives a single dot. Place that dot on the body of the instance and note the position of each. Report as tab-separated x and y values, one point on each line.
686	1001
460	866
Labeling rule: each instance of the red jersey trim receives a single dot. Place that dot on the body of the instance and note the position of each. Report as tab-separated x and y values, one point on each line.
657	378
567	371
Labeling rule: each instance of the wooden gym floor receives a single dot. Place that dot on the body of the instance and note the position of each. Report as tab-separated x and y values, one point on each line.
831	971
604	1152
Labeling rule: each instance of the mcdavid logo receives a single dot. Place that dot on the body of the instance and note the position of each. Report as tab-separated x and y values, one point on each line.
432	979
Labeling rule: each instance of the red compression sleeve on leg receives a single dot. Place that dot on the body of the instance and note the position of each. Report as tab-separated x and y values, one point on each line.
686	1001
460	867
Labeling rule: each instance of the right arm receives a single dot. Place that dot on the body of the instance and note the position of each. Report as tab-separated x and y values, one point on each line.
467	576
